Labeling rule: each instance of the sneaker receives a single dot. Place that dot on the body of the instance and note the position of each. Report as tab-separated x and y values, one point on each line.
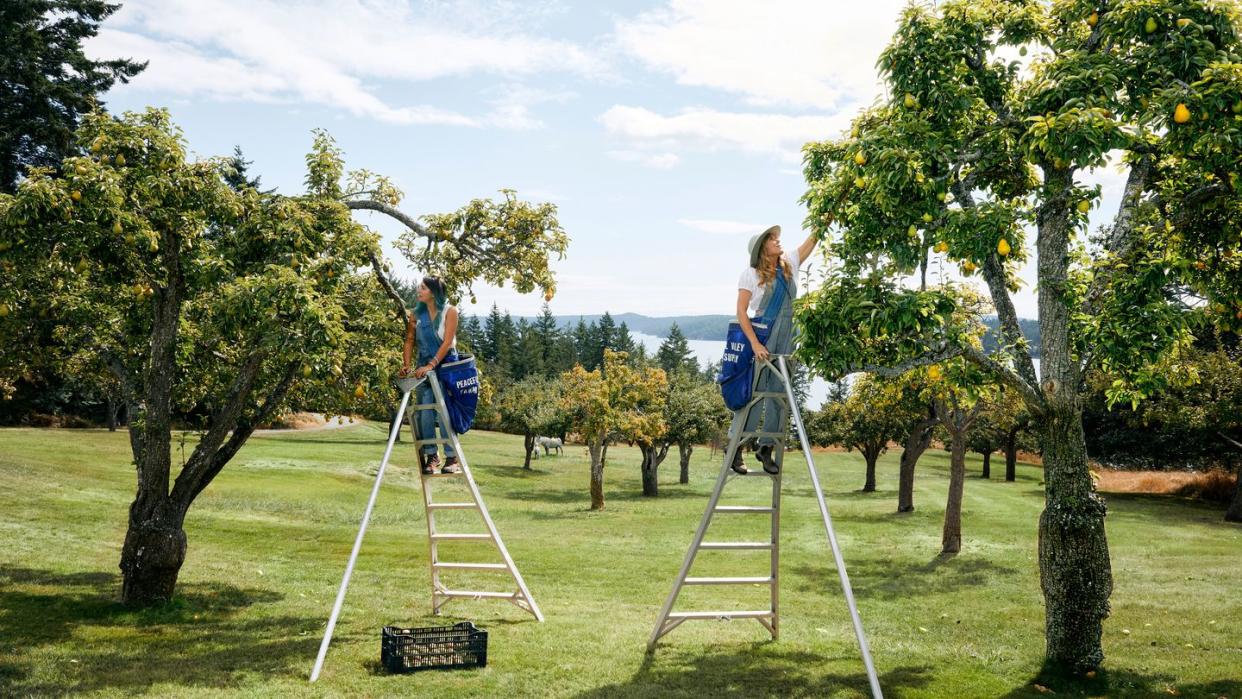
737	465
764	454
450	465
430	462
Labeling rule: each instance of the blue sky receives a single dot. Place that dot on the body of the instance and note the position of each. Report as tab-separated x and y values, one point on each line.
667	132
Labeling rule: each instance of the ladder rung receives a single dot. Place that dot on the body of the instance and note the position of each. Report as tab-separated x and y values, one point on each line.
443	475
452	506
736	546
471	566
476	595
721	615
773	435
743	508
421	442
752	472
461	537
424	406
731	581
768	394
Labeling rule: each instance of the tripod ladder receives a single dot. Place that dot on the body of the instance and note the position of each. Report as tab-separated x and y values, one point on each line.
770	617
440	593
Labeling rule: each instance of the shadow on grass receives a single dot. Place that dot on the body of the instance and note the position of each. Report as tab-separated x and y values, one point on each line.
1170	509
757	669
1120	682
575	495
888	579
68	634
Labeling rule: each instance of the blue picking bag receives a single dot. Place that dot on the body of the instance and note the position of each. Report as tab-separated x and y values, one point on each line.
737	366
459	380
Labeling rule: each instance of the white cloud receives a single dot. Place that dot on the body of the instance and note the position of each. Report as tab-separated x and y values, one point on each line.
658	161
710	130
807	53
327	53
719	227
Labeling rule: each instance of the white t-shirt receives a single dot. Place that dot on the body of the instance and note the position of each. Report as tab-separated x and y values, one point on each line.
750	280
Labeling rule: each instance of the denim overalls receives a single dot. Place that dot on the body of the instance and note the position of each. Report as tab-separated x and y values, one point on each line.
428	344
780	341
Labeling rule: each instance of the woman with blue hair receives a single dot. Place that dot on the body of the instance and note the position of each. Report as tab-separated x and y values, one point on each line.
434	325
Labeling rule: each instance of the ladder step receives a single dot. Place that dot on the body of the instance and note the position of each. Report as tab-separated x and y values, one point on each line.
452	505
743	508
764	614
768	394
477	595
752	473
735	546
461	537
421	442
424	406
471	566
443	475
768	580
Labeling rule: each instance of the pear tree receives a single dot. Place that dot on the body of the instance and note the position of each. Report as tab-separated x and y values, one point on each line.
213	308
977	161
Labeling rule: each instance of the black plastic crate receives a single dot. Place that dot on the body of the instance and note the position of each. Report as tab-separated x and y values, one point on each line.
435	648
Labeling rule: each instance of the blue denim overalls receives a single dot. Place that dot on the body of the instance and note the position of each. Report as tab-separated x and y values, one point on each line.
428	344
780	341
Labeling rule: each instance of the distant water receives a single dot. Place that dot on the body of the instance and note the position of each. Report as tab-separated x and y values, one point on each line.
706	351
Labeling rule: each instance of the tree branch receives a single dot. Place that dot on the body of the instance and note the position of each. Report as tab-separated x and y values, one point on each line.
402	312
948	352
245	429
223	422
394	212
1030	394
1231	441
1006	314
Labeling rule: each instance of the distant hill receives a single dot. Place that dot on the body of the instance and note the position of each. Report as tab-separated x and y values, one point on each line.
713	327
693	327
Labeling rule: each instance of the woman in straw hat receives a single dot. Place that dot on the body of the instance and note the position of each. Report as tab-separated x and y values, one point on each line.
769	286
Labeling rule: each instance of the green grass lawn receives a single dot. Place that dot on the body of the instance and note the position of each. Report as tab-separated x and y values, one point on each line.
270	538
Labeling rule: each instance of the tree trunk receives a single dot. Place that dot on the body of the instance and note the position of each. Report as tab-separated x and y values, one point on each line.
529	442
683	452
871	455
152	555
653	456
155	543
111	409
1011	455
1074	569
987	465
597	474
917	441
1234	513
951	538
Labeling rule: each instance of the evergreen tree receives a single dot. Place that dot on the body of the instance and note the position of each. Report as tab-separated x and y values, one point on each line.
605	335
46	81
238	177
470	336
674	355
490	348
622	340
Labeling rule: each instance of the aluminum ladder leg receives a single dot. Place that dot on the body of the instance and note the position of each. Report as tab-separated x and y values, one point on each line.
440	592
668	619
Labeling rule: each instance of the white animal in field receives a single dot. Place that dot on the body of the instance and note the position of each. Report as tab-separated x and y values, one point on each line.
550	443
